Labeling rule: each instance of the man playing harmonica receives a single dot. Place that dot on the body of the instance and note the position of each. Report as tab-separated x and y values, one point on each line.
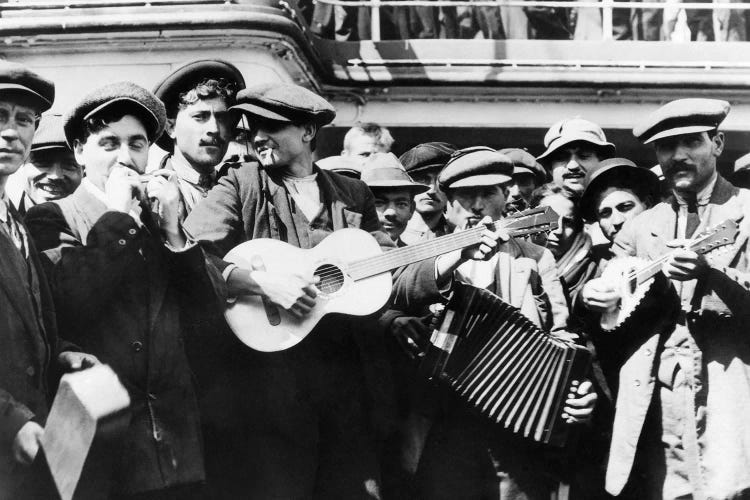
120	271
681	427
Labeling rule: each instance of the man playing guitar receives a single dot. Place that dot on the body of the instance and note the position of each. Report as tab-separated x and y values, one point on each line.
681	428
301	429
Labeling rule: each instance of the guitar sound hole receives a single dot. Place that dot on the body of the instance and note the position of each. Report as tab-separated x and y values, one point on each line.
331	278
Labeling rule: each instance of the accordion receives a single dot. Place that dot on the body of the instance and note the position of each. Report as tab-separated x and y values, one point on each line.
503	366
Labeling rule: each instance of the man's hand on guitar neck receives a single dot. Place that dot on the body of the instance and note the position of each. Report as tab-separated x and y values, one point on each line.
598	295
684	264
484	250
289	291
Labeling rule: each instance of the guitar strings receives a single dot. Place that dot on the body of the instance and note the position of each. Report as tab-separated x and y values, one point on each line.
388	260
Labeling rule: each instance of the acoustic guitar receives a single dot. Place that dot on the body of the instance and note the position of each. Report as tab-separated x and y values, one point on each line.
354	275
633	276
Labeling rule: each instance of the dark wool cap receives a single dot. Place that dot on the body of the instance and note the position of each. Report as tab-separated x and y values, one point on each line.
683	116
427	156
17	78
285	102
476	166
622	171
186	77
525	163
50	134
141	103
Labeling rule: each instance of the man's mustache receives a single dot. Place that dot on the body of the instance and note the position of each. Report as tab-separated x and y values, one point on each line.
217	142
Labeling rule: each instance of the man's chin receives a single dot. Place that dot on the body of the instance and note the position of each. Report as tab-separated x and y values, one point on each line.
574	185
428	209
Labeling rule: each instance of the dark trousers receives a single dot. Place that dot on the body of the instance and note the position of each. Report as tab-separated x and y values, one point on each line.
292	424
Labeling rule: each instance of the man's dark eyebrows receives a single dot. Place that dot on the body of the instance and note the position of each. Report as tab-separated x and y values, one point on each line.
137	137
106	135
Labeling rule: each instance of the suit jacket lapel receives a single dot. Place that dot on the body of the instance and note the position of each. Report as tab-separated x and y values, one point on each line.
662	230
725	204
12	279
331	195
87	209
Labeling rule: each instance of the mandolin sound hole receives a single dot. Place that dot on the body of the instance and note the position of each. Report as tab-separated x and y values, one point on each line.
331	278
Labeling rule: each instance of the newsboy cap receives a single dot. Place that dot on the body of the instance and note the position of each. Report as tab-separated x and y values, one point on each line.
285	102
187	76
427	156
17	79
525	163
622	171
476	166
141	103
683	116
572	130
384	170
49	134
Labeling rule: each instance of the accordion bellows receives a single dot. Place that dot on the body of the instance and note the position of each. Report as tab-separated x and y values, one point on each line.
503	365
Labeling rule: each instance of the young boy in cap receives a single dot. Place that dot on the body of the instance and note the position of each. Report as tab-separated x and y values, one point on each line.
464	458
394	192
424	164
197	96
319	444
51	172
574	146
121	272
683	387
30	349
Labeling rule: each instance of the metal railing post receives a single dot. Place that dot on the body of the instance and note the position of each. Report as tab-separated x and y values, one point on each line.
375	21
607	20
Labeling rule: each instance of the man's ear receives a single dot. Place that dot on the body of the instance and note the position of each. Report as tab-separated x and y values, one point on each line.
310	130
169	128
718	141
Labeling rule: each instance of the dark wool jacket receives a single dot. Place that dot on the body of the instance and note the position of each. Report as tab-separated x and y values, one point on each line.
119	293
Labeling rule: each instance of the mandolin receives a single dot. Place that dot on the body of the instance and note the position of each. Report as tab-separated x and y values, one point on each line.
354	275
634	276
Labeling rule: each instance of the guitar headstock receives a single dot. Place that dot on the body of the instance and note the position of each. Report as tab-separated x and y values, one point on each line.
720	235
531	221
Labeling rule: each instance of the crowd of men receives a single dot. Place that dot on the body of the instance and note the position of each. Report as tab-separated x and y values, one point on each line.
106	262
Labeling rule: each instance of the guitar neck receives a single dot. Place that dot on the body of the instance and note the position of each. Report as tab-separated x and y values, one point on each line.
393	259
700	245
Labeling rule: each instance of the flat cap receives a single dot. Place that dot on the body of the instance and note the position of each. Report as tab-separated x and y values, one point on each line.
427	156
616	171
571	130
476	166
383	170
139	102
17	78
525	163
345	165
683	116
285	102
187	76
49	134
